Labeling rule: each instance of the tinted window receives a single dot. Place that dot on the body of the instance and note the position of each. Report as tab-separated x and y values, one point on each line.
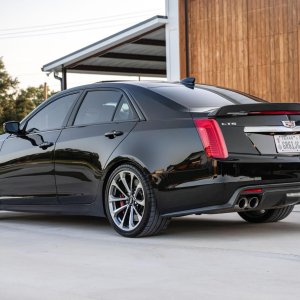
98	107
238	97
197	97
53	115
124	111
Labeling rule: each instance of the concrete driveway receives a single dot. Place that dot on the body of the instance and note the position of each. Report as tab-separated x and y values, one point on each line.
198	257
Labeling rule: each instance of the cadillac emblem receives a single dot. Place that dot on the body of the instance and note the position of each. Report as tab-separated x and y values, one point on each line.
289	124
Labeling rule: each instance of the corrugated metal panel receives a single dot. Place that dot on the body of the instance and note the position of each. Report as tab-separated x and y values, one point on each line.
157	35
122	63
138	50
141	49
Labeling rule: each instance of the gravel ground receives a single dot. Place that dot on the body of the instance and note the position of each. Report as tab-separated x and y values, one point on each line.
198	257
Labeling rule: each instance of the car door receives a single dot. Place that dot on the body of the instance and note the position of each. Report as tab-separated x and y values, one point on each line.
26	160
103	120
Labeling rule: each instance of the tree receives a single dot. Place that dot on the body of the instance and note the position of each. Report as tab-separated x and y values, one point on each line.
28	99
8	91
7	111
15	104
8	85
23	105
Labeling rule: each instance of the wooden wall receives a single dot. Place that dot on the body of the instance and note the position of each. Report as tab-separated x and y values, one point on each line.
248	45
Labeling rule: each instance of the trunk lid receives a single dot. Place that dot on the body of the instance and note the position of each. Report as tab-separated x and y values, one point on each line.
260	129
263	108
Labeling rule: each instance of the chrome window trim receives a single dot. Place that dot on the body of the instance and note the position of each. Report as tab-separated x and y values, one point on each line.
258	129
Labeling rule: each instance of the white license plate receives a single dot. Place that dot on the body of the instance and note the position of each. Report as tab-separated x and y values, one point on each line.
287	143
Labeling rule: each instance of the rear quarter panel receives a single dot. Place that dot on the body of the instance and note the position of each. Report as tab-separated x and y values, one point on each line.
171	152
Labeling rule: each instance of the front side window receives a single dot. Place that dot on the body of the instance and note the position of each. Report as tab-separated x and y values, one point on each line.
53	115
98	107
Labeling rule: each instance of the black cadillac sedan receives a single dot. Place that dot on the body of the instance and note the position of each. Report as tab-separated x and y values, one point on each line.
140	153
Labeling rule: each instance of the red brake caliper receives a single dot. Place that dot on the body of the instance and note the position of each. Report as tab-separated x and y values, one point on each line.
122	203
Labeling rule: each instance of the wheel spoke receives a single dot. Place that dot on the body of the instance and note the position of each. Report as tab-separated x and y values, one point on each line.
123	179
140	202
137	190
131	223
116	185
131	181
138	214
124	217
118	210
138	187
116	199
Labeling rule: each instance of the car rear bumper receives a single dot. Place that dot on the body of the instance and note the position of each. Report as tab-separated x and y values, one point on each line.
272	196
214	185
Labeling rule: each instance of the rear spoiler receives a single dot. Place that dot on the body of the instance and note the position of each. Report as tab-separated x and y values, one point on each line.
257	109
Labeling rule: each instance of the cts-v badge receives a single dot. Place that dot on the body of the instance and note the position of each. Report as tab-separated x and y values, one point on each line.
228	124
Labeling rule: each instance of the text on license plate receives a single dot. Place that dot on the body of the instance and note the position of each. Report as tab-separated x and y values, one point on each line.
287	143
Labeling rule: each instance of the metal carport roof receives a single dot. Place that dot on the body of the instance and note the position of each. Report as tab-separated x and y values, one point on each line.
138	50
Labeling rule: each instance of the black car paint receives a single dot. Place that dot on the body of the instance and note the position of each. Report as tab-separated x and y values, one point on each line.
26	170
70	176
80	156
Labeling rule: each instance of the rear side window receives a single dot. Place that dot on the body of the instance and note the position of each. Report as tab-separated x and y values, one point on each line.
197	97
98	107
124	112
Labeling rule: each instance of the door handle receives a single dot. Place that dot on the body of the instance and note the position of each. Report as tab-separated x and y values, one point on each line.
113	134
45	145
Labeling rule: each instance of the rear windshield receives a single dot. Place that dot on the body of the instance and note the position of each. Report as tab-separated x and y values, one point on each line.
236	96
199	97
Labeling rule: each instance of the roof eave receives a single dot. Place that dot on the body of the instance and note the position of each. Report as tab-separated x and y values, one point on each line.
109	42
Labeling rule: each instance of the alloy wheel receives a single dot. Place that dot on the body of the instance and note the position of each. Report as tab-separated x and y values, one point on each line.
126	200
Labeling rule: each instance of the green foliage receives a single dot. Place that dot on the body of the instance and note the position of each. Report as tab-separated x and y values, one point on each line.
7	111
8	91
29	99
15	104
8	85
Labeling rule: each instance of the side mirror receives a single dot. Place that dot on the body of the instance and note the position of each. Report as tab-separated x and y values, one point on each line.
12	127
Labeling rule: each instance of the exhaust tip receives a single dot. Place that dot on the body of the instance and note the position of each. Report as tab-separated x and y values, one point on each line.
242	203
253	202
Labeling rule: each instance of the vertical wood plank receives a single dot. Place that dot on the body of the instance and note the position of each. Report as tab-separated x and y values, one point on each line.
249	45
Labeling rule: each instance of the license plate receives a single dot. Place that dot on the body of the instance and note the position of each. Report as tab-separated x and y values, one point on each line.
287	143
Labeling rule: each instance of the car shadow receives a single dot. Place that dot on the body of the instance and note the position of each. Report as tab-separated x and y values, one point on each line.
208	226
53	219
229	226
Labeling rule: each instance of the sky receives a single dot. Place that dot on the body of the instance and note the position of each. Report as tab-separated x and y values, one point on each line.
36	32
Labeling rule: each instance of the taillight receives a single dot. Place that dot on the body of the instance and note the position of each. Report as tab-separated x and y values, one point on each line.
211	137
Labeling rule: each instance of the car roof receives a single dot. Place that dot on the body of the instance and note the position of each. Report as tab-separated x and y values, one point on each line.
124	83
164	99
227	93
205	97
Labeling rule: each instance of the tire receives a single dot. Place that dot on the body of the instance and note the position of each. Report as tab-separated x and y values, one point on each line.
130	203
267	216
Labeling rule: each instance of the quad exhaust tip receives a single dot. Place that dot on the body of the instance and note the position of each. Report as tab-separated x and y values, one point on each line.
243	203
248	202
253	202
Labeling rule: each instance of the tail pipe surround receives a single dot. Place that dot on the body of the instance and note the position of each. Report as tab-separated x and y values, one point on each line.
242	203
249	199
253	202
